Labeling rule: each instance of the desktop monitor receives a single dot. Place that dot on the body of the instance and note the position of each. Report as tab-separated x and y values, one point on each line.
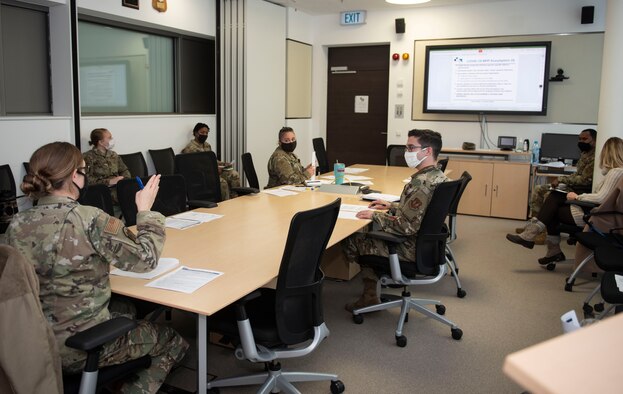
507	143
559	147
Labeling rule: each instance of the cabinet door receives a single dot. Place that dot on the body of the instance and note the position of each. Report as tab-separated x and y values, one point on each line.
476	199
510	190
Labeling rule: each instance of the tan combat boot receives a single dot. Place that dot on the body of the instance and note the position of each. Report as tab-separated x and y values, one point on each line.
554	253
369	296
526	239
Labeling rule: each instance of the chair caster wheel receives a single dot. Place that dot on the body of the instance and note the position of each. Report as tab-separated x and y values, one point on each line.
357	319
587	309
441	309
461	293
569	284
337	387
550	266
599	307
401	340
457	333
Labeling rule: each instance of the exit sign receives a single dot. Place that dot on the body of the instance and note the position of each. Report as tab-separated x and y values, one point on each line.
352	17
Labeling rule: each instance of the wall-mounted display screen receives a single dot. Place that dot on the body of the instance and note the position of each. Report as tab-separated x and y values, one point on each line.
501	78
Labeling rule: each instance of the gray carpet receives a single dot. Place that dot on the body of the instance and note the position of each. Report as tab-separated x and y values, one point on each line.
511	303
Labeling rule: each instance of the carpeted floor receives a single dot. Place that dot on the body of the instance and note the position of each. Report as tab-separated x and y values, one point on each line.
511	303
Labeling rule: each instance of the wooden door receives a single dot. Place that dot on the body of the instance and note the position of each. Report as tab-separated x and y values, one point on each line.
358	78
476	199
510	190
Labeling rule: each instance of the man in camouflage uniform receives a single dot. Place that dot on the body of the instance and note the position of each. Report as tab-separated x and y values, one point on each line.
71	247
228	176
402	218
284	167
580	182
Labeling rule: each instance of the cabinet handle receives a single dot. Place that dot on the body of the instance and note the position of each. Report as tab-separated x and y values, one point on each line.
486	187
495	189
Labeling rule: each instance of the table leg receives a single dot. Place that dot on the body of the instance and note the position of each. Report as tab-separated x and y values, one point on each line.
202	354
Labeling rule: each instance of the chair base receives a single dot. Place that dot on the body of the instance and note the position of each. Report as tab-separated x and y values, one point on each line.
406	304
278	380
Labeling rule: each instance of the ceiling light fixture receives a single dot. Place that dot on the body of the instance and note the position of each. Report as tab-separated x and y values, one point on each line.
405	2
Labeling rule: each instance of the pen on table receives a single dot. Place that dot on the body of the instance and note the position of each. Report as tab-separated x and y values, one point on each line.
140	183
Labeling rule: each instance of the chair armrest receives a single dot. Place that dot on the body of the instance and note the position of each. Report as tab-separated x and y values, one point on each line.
98	335
588	215
192	204
243	191
387	237
239	305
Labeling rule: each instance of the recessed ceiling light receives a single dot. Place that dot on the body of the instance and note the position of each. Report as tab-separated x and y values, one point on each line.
406	1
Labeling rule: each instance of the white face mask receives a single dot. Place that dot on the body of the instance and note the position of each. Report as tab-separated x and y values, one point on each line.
111	144
412	160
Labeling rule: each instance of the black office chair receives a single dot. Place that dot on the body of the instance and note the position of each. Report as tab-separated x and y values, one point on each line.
164	160
249	170
135	163
396	156
442	164
18	366
200	171
8	197
321	156
99	196
609	258
170	200
450	258
430	266
286	322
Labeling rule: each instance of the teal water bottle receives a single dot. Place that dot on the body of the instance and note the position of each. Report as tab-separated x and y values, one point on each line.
535	151
338	173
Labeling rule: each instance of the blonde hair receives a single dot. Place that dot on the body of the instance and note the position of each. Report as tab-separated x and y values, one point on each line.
50	166
612	154
97	135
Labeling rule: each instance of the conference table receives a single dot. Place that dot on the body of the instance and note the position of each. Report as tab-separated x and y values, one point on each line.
246	245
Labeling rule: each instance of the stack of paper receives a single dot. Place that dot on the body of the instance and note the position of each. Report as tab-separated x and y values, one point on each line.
380	196
185	279
349	211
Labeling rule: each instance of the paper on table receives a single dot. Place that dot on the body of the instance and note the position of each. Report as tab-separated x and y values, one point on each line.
554	164
349	211
279	192
352	170
180	223
619	281
198	216
380	196
293	188
185	280
351	178
164	264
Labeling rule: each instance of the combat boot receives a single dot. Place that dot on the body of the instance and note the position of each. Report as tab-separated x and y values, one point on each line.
554	253
520	230
526	239
540	239
368	298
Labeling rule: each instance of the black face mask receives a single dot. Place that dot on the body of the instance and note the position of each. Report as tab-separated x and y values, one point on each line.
290	147
584	146
202	138
82	190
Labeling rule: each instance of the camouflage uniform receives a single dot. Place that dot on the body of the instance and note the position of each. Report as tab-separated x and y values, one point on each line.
285	169
582	178
229	177
105	165
403	218
71	247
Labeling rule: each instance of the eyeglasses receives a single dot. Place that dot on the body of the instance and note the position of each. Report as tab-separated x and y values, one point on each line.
411	148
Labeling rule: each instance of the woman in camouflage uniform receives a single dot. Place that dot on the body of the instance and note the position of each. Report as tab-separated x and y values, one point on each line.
72	246
284	167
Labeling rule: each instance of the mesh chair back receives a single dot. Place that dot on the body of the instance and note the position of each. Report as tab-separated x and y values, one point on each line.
465	179
8	197
135	163
200	171
396	155
249	170
442	164
321	155
298	295
164	160
98	196
431	238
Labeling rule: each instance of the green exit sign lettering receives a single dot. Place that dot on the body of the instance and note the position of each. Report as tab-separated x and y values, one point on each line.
352	17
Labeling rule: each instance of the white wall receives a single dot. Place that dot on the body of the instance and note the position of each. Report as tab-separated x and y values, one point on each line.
515	17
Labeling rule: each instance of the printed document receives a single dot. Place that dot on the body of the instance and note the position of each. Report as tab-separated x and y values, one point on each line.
185	280
279	192
349	211
164	264
201	217
381	196
352	170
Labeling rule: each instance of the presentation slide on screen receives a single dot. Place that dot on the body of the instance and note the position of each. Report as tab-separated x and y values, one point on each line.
486	79
104	85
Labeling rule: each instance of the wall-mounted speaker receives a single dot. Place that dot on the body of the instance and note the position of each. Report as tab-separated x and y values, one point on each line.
588	13
400	25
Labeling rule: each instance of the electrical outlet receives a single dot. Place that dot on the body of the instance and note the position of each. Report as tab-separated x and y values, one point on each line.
399	111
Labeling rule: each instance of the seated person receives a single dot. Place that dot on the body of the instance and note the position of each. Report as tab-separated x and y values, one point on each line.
229	177
103	165
72	246
284	167
556	211
579	182
402	218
